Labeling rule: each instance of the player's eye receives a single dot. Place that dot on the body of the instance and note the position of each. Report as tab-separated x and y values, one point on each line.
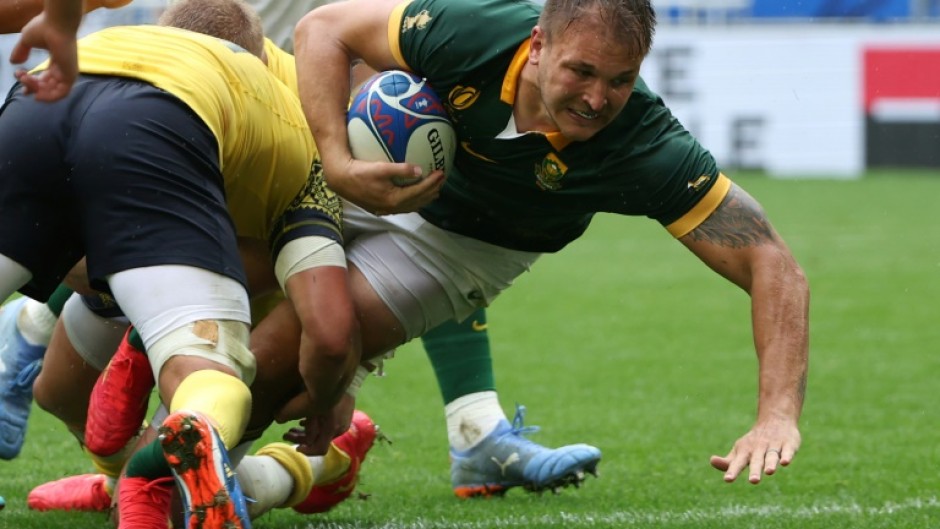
621	82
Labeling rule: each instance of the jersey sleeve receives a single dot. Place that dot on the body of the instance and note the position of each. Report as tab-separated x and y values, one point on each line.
316	211
443	39
669	176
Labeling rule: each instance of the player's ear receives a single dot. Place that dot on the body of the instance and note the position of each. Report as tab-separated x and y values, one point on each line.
536	44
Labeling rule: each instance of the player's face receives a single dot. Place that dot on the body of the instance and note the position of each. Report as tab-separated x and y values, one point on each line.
585	76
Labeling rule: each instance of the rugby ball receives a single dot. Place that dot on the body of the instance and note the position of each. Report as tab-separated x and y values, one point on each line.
397	117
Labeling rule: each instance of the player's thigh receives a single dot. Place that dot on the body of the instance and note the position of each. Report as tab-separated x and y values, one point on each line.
396	298
94	325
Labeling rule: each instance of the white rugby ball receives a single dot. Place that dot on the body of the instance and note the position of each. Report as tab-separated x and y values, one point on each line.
397	117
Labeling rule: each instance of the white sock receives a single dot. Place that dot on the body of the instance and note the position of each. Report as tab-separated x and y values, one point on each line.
471	418
319	469
264	480
36	322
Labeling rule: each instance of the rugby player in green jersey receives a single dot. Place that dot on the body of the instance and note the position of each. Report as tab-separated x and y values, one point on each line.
459	351
554	125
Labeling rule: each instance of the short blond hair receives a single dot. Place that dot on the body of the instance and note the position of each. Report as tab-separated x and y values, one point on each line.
231	20
632	22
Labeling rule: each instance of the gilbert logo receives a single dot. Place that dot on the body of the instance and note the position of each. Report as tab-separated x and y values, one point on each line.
461	97
419	21
549	173
437	148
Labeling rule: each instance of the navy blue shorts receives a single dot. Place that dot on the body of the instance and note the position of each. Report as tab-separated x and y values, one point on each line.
119	171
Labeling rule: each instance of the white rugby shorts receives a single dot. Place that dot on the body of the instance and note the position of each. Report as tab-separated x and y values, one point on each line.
424	274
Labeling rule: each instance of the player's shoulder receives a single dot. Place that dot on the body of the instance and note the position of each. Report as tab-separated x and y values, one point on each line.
419	15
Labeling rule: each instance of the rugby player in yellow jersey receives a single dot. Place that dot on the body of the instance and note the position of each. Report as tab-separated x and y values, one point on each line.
165	134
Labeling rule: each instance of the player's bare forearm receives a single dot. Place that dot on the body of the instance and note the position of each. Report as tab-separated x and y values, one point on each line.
326	41
330	348
739	242
14	14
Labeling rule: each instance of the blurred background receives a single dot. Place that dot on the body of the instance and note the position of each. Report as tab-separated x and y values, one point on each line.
804	87
791	88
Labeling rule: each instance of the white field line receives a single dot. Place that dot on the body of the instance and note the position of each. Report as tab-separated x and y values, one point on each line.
646	518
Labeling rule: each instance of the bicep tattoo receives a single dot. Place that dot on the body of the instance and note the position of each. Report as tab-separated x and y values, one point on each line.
738	222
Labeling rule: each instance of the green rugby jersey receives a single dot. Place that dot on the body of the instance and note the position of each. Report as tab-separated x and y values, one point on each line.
538	192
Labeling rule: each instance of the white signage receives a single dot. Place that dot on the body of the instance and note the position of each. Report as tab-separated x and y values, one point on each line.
784	98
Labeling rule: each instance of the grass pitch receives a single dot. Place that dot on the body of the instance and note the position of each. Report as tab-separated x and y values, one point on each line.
624	340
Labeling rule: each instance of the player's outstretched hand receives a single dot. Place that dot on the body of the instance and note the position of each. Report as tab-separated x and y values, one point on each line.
55	82
384	188
770	444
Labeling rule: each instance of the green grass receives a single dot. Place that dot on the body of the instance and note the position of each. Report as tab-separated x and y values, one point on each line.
627	342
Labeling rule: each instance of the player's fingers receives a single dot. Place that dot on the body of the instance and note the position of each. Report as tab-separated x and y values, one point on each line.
756	465
720	463
53	90
414	197
295	435
736	464
30	82
20	52
787	454
730	464
429	184
771	460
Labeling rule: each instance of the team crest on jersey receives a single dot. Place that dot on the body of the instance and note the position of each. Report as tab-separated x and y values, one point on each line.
697	184
549	173
461	97
419	21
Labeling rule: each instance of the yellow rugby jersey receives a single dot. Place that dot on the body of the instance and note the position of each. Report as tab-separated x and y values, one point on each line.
281	64
265	148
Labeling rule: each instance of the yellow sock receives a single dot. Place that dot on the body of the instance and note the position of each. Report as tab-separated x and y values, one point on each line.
112	465
332	466
225	399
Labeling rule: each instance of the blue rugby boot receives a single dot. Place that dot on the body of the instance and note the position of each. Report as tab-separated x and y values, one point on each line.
506	459
20	363
211	495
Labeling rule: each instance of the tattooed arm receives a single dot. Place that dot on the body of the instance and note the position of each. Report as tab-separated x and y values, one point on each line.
738	242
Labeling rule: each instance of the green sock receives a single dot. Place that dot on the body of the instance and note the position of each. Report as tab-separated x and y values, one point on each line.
148	462
58	298
135	340
460	356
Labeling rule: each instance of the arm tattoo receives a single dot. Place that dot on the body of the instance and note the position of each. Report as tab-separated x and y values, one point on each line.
738	222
